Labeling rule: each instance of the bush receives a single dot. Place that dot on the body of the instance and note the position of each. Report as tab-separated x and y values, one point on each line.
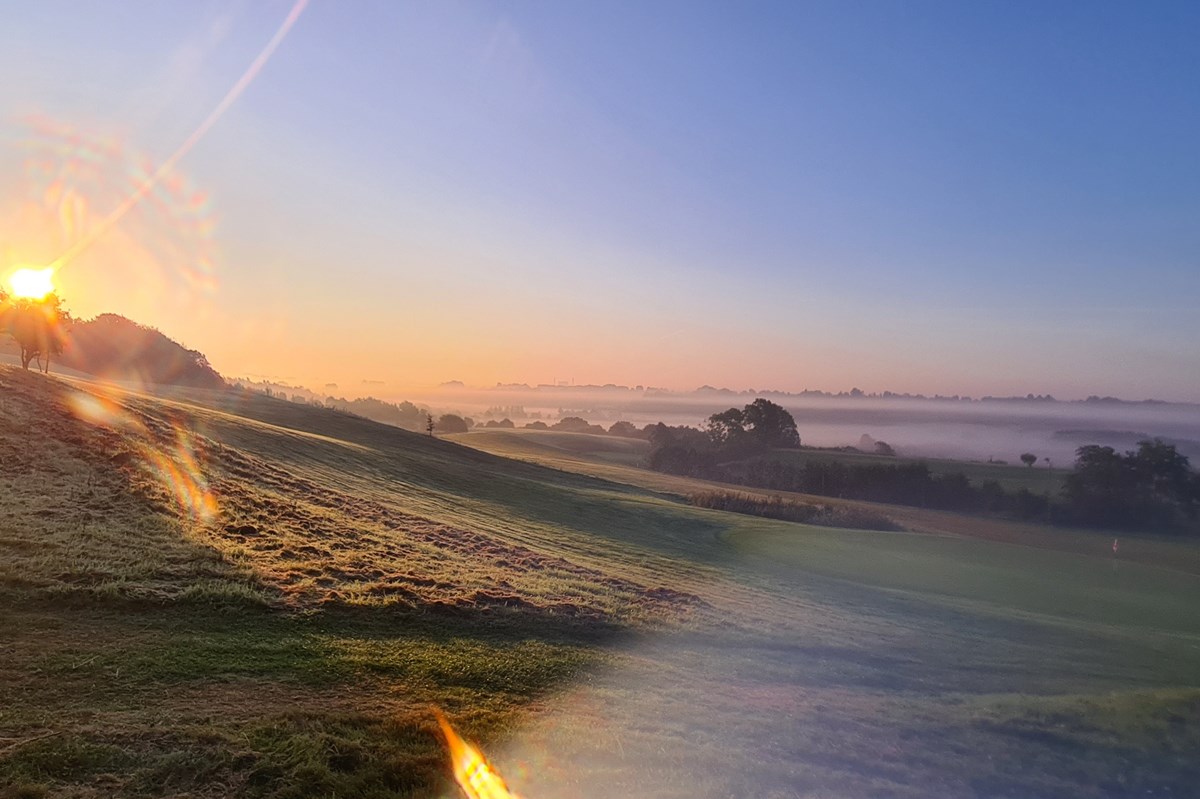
625	430
574	424
789	510
451	423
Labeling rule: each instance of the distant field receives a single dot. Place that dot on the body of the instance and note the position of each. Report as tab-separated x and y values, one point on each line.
1166	551
219	594
546	445
1038	478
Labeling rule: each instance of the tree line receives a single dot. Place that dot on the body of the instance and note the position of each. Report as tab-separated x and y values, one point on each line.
454	423
1150	488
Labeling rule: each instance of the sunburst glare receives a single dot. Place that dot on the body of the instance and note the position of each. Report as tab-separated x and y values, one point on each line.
32	284
72	176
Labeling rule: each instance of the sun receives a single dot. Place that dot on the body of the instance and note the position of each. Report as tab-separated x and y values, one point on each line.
32	284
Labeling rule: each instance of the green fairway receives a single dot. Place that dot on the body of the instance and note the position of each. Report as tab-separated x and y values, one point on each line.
228	595
999	579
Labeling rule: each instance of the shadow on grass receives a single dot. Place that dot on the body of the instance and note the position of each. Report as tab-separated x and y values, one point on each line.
182	641
269	703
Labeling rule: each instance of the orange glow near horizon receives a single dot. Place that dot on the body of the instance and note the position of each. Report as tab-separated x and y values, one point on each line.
32	284
472	772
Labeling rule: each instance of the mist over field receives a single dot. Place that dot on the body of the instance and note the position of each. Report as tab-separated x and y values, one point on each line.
999	429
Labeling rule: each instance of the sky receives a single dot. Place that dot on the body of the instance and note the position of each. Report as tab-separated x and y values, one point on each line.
956	198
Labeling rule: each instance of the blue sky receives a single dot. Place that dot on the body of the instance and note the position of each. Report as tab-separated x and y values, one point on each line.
938	197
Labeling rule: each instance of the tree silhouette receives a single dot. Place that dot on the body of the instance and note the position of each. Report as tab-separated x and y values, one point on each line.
726	428
576	424
762	424
1028	458
429	424
625	430
1151	487
38	326
770	424
452	423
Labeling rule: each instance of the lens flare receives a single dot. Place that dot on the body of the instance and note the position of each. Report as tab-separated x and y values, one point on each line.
167	243
157	176
32	284
171	460
66	162
472	772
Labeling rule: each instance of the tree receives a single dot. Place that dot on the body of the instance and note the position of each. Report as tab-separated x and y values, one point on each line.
1028	458
1151	487
678	450
884	448
770	424
1097	490
451	423
727	428
576	424
38	326
1161	470
760	425
429	424
624	430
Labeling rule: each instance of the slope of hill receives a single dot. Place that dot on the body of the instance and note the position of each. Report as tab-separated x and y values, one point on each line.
212	593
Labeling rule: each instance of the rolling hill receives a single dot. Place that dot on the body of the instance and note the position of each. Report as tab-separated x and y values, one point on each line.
217	593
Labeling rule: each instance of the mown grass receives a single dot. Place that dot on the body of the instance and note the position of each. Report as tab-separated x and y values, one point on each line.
593	627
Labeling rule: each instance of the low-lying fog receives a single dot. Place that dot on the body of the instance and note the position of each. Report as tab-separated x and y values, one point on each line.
975	430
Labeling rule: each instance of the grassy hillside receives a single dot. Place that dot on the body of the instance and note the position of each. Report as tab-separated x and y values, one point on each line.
220	594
